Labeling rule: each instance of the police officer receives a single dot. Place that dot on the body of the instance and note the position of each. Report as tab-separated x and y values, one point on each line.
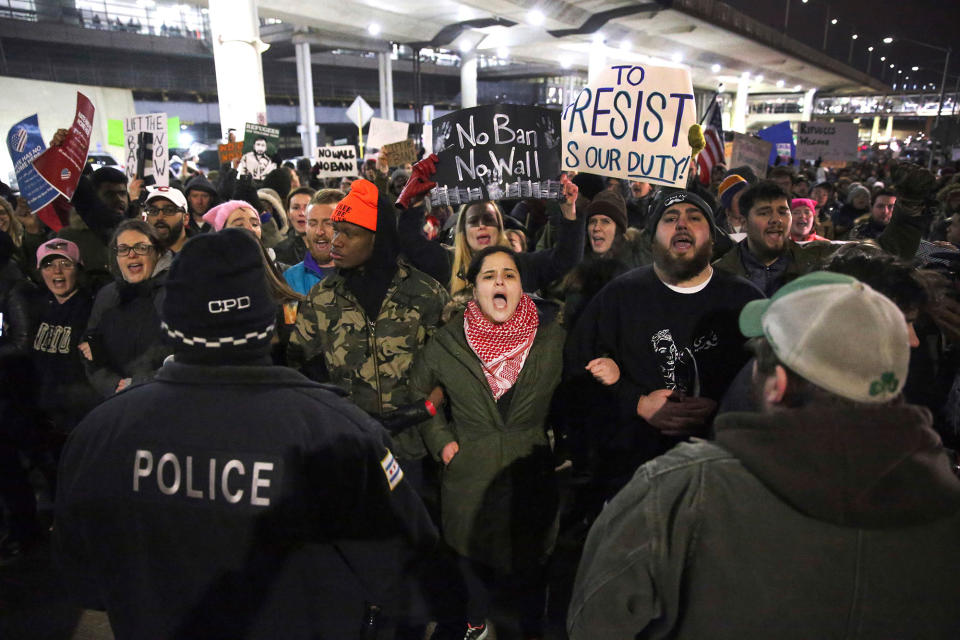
229	497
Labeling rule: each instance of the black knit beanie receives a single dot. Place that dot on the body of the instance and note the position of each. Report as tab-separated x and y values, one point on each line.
668	197
217	300
611	204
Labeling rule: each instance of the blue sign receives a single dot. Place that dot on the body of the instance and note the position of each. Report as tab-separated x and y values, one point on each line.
781	135
26	143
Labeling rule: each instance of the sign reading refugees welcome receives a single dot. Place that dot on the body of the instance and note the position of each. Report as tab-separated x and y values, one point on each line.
631	123
494	152
827	141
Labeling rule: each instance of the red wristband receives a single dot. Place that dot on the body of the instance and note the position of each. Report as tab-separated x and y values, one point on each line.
432	410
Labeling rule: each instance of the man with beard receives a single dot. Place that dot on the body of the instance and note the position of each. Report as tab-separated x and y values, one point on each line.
317	263
671	328
769	258
257	163
201	197
166	210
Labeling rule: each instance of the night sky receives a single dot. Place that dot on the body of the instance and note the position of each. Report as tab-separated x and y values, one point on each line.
936	22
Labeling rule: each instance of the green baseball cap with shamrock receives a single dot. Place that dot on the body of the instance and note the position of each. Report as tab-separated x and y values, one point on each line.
836	332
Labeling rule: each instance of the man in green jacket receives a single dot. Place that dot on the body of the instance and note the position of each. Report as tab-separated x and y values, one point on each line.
769	258
362	326
834	512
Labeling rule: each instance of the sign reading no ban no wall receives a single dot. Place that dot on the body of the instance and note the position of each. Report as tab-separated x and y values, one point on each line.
631	123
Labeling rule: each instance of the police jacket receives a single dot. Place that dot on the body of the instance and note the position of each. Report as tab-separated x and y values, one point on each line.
231	502
835	522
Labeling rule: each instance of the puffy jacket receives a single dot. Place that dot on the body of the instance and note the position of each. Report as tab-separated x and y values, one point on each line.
370	358
16	328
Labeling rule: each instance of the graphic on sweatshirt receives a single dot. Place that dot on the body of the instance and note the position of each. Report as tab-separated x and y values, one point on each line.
678	367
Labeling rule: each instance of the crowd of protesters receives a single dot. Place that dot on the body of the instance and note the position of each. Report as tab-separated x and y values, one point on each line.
778	356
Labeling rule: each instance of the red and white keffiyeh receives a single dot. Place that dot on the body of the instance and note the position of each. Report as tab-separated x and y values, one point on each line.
502	348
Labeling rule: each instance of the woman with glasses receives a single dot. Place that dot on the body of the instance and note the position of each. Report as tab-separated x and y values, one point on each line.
123	344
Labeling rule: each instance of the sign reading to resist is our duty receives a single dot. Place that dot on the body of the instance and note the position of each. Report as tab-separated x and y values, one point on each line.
631	122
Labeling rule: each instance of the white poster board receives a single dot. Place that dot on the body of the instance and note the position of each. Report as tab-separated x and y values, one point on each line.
386	132
631	122
337	162
830	141
155	124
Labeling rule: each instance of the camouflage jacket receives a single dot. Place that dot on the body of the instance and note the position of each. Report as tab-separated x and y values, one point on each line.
371	359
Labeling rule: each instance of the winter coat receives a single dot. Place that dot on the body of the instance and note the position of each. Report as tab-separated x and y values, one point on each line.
498	494
303	523
901	238
124	334
370	358
797	524
15	291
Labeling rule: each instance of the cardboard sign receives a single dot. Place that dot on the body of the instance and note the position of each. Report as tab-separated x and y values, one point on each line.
25	143
399	153
497	152
61	166
752	152
631	123
830	141
383	132
260	144
147	140
229	152
337	162
781	137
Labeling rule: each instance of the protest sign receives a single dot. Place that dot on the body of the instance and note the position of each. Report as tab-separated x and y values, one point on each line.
260	144
383	132
399	153
495	152
337	162
147	140
752	152
25	143
61	166
829	141
229	152
631	123
781	137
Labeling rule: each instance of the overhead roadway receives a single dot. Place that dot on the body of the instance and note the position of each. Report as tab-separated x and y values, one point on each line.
700	33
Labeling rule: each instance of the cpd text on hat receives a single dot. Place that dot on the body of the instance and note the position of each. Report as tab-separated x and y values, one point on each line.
228	304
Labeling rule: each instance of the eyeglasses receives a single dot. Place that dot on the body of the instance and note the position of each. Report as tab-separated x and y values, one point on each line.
141	249
153	212
62	264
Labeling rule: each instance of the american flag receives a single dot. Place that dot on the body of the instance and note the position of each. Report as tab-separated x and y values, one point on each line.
713	134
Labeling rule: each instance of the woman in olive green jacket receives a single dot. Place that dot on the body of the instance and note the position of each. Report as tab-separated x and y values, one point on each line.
498	362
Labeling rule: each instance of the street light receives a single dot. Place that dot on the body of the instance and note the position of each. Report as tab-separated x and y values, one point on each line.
887	40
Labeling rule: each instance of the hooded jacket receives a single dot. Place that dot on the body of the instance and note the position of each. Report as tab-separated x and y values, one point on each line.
806	523
366	324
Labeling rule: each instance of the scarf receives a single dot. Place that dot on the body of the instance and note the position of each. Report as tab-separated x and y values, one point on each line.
502	348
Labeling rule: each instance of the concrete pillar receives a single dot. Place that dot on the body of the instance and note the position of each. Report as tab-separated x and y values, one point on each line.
468	80
236	54
308	112
875	131
597	61
808	104
889	128
385	67
739	123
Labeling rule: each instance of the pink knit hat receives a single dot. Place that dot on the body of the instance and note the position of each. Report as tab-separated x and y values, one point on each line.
217	217
803	202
